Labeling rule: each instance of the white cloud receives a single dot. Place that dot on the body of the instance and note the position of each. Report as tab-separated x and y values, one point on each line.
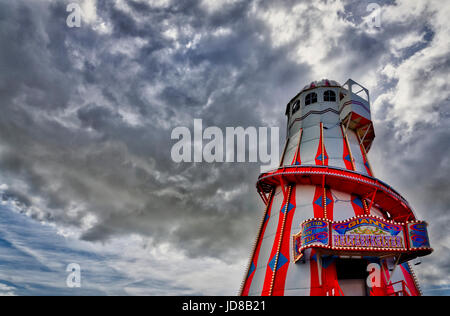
313	28
214	5
6	290
183	275
422	84
89	8
398	44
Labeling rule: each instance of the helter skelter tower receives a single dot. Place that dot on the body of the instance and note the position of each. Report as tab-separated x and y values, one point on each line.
329	224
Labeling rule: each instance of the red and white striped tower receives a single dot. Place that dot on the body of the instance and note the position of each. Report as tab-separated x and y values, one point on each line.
327	218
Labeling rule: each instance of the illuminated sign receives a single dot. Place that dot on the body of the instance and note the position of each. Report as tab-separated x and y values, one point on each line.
418	235
313	233
365	235
368	233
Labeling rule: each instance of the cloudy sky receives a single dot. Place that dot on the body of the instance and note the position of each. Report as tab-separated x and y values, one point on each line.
86	116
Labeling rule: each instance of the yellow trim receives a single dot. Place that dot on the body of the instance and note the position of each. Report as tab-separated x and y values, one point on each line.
322	140
284	152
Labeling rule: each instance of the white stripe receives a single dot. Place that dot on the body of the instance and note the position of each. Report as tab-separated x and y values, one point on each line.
266	245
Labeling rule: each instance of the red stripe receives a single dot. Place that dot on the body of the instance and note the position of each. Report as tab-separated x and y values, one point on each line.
330	278
365	160
329	275
316	289
285	250
297	160
358	209
325	163
269	272
348	164
410	282
318	159
330	206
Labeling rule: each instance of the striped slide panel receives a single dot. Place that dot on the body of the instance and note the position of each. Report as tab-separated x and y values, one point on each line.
266	242
321	205
291	149
297	158
329	275
404	273
321	158
309	143
285	252
347	157
332	137
365	160
254	261
356	152
271	263
408	276
318	203
329	206
298	278
357	204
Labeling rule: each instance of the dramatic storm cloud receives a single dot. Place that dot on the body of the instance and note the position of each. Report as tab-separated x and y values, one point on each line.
87	115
